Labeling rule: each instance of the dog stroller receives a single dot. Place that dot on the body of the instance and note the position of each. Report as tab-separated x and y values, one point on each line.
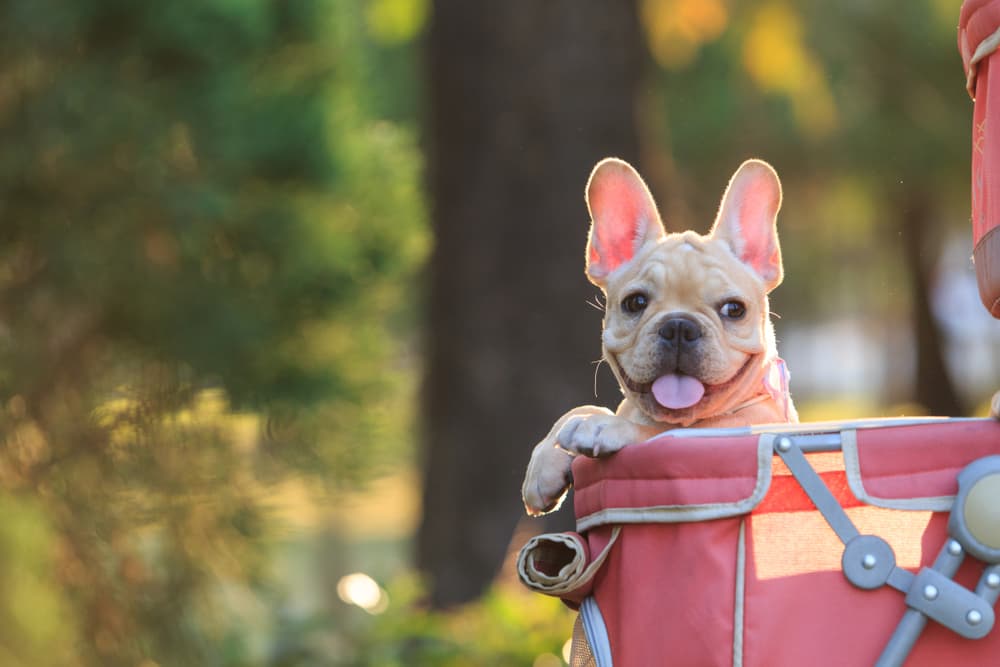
851	543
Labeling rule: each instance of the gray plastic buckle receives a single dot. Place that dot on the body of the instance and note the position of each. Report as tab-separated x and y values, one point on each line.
953	606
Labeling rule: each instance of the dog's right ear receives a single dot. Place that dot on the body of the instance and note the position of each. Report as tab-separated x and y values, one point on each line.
624	218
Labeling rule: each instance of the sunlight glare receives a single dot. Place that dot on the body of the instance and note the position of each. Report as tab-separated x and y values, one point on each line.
567	650
361	590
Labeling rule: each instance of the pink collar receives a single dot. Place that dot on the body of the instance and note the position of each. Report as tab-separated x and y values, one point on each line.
776	385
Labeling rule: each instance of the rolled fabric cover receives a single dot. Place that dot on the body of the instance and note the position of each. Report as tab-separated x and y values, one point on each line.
978	39
559	564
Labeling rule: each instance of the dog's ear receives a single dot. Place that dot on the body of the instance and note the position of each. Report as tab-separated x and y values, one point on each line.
747	220
624	218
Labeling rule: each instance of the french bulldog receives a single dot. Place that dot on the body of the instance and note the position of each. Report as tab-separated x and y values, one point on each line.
687	329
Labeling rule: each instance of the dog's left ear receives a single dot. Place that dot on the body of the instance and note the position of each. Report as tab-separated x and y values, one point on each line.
747	220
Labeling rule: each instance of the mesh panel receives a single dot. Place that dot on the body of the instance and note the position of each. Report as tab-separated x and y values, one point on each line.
580	653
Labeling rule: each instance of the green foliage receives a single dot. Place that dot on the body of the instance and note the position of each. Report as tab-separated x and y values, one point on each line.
34	615
156	163
508	627
208	248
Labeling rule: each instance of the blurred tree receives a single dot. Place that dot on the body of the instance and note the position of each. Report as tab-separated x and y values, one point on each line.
910	141
860	107
197	210
524	98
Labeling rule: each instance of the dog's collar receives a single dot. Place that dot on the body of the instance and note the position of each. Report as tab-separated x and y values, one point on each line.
759	398
774	387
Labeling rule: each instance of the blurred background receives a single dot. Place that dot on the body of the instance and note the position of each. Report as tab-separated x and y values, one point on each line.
290	288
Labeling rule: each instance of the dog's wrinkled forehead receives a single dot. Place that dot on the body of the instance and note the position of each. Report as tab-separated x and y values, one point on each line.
685	268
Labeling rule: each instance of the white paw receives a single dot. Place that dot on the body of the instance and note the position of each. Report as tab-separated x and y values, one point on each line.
547	480
995	406
597	435
550	470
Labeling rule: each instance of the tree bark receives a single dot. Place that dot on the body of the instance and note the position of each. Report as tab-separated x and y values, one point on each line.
934	389
524	98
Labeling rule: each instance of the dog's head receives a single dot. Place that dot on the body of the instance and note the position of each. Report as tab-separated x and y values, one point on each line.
686	329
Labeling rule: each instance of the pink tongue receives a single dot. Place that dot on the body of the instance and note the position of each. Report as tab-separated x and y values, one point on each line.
677	391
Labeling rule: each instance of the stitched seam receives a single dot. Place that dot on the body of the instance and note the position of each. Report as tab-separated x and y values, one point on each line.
869	478
666	479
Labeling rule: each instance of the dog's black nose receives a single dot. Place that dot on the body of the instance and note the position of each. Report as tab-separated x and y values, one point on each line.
679	331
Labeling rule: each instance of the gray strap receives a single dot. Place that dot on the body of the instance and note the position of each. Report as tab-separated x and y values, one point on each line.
814	487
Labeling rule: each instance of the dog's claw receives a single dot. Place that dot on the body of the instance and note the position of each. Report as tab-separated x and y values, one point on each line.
566	434
596	436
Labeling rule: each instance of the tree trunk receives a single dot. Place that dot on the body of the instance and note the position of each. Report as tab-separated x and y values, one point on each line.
524	98
934	388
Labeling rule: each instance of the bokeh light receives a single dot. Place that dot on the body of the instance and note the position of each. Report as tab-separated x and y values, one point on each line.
362	591
547	660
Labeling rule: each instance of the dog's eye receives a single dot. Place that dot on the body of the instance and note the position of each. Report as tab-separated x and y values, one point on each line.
635	303
733	310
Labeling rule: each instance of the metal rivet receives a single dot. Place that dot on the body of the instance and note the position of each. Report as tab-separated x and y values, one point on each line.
930	592
869	561
993	580
974	617
784	444
954	548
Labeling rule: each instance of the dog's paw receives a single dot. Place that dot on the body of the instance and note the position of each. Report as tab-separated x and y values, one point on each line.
995	406
548	479
550	470
597	435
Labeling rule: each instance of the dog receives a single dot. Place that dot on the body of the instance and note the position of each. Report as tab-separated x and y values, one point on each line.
687	329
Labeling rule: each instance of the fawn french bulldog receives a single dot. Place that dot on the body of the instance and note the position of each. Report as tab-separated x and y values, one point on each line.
687	331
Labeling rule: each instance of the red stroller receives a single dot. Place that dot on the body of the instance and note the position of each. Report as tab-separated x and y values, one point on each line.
802	544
